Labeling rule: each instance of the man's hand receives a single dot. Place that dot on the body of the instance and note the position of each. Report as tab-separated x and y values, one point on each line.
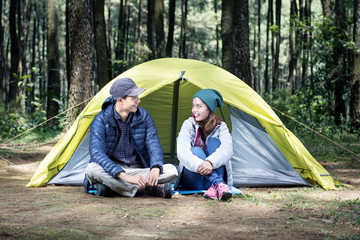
153	177
205	168
133	179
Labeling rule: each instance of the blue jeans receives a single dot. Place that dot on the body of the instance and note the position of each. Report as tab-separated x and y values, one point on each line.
195	181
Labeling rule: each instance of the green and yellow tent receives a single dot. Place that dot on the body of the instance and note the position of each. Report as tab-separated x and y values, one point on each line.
266	153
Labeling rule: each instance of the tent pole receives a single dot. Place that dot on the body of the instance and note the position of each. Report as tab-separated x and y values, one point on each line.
174	117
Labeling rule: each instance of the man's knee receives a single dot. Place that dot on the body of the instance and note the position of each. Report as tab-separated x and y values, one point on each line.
93	169
170	172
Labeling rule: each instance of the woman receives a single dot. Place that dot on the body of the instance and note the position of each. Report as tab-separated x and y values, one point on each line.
204	149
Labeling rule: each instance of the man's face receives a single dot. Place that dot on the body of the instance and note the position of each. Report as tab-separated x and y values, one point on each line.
130	104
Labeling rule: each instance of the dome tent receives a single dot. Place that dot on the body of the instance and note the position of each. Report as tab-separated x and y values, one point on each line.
266	153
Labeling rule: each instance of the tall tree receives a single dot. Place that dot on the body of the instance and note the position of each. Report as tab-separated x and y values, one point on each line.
268	25
1	55
260	82
184	12
53	89
235	38
109	24
292	45
80	24
101	49
355	85
138	28
31	96
150	26
170	38
275	79
67	44
159	28
14	69
217	32
306	39
329	94
339	56
121	33
327	12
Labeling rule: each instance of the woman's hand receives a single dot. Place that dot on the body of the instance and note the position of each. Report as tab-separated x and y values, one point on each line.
205	168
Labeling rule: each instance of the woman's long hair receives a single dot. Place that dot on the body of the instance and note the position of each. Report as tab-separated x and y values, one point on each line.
209	124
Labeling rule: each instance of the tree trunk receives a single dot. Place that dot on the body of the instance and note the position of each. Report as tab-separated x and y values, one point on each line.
184	11
306	41
355	85
326	8
298	47
227	34
2	81
235	37
138	30
31	97
217	32
103	74
25	30
272	42
340	57
159	28
275	83
266	71
81	55
292	46
150	27
67	45
14	69
260	81
20	42
121	33
42	55
111	53
53	89
253	68
170	38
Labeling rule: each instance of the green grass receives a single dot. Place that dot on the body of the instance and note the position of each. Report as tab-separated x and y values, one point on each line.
40	232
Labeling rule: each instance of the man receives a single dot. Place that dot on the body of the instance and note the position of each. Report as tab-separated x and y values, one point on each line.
126	155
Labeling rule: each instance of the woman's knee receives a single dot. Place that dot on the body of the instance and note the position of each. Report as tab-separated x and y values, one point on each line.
197	151
212	145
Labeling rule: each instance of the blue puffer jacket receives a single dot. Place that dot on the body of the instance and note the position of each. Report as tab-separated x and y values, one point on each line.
105	134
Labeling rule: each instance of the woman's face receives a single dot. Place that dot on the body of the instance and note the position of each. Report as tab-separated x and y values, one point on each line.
199	110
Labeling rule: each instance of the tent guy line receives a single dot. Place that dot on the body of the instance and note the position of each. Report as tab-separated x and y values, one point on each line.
30	129
182	78
337	144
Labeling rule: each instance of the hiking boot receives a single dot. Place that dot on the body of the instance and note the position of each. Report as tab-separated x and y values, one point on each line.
211	193
161	190
101	190
223	192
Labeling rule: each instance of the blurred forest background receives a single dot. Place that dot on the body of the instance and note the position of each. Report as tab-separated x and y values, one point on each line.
301	56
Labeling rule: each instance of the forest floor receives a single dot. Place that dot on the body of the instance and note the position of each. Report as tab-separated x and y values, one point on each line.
62	212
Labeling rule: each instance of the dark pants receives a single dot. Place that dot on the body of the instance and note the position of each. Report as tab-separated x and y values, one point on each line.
195	181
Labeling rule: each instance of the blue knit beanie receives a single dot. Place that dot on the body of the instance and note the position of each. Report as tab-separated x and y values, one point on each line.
211	98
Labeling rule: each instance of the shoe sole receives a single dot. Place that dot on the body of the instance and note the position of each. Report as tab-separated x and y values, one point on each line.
101	190
225	196
207	196
167	191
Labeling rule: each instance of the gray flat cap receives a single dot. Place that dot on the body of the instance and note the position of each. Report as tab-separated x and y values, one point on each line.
125	87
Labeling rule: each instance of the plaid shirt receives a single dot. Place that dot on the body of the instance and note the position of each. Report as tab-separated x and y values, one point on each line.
125	151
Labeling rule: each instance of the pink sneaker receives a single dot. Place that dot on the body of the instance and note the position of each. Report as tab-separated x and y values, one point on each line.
211	193
223	192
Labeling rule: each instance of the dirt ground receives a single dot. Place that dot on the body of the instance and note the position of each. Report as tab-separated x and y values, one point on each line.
62	212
